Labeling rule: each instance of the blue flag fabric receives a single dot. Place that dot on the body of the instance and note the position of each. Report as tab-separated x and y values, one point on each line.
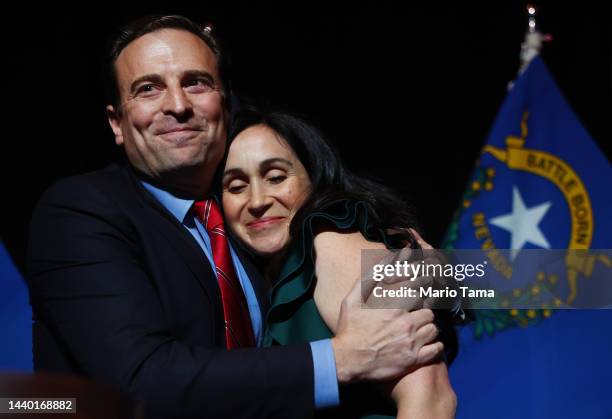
15	318
540	183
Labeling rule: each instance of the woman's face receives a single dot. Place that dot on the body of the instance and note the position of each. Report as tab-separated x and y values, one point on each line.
264	184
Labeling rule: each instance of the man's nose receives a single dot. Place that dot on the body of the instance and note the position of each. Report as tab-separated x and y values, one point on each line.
176	101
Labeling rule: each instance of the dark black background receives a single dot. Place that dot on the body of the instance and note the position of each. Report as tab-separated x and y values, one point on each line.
407	93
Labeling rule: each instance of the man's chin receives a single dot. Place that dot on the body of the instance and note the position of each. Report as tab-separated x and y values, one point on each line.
181	138
183	168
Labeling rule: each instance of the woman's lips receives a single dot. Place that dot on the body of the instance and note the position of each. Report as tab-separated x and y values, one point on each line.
262	223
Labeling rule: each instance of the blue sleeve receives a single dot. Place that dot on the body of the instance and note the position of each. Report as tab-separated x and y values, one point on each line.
326	393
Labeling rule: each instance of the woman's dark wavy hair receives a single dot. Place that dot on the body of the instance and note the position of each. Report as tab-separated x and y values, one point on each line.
331	180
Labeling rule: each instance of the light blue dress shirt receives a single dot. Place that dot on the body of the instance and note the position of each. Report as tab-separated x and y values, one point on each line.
324	364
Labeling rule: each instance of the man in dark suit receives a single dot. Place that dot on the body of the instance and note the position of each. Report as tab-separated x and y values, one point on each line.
120	266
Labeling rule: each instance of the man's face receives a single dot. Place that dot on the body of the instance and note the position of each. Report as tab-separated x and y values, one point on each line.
172	123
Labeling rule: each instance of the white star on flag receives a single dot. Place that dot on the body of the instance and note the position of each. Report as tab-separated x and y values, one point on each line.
522	224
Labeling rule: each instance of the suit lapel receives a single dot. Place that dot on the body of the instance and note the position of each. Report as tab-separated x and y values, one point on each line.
188	249
179	238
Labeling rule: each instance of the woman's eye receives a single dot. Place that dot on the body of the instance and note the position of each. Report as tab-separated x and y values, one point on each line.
235	188
277	179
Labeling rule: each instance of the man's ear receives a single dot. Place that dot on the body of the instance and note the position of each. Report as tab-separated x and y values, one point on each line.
114	120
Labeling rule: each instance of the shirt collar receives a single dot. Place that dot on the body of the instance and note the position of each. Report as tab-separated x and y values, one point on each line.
178	207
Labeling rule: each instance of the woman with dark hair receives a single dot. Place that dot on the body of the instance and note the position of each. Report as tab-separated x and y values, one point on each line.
288	198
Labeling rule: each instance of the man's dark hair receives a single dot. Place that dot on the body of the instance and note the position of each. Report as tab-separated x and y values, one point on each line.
140	27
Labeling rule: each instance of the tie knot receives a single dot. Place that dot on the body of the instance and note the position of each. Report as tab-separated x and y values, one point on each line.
209	214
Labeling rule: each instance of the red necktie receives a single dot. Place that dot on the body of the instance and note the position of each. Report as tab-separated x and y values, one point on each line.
238	328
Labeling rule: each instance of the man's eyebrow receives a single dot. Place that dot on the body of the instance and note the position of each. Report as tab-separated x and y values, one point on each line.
154	78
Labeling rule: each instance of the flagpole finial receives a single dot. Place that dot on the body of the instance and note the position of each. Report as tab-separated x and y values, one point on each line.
532	45
531	12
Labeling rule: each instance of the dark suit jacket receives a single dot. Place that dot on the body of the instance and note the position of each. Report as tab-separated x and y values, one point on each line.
121	292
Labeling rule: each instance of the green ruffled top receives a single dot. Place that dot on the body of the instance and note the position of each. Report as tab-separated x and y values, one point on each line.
294	318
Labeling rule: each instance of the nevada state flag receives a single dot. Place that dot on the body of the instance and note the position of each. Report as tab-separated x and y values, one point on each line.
540	183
